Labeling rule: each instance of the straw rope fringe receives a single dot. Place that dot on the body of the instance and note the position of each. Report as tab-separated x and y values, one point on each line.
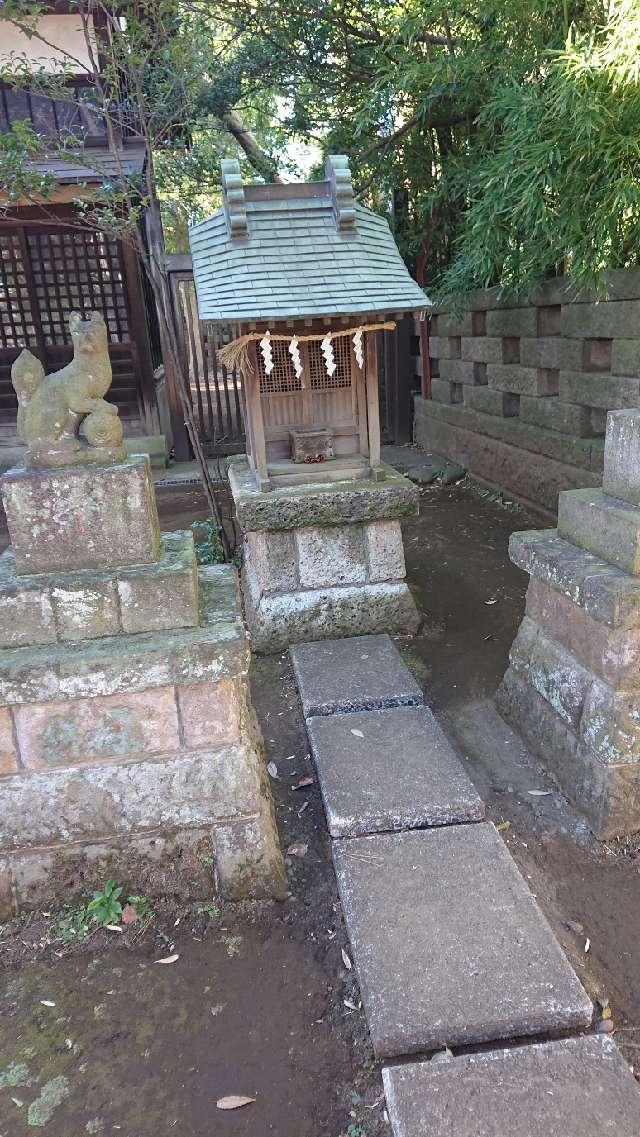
235	355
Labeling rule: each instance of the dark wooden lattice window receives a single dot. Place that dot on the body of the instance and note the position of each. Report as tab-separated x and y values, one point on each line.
282	379
77	271
317	368
16	316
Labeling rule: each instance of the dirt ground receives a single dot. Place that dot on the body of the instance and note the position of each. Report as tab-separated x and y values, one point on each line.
260	1001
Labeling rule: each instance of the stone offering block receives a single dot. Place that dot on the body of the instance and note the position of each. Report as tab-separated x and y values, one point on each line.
363	673
311	446
604	525
576	1087
449	944
82	517
388	770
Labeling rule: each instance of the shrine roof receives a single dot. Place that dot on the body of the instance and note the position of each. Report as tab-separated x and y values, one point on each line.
298	251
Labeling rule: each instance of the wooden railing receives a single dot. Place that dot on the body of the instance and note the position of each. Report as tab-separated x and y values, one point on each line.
74	119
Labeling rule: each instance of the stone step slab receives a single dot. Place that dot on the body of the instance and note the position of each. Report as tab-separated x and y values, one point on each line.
449	945
575	1087
389	770
361	673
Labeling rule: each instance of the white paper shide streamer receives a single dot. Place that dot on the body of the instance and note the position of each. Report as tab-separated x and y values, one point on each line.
326	348
294	352
357	347
267	353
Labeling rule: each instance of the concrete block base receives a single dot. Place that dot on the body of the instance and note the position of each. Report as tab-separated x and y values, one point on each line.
322	561
572	689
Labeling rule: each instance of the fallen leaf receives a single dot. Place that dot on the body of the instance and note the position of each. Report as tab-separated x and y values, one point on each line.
129	914
47	1002
299	850
234	1101
358	733
503	826
302	783
273	769
168	958
345	959
540	793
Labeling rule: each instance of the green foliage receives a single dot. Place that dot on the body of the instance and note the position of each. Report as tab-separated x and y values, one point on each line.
74	924
211	910
105	908
503	140
208	545
142	906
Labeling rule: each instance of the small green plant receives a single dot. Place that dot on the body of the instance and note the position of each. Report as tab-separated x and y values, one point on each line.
355	1130
105	908
208	544
210	910
73	924
141	905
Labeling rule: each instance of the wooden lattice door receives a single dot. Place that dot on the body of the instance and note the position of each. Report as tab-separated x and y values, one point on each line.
46	273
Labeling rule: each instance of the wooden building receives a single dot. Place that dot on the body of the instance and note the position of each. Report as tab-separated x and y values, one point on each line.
50	264
308	277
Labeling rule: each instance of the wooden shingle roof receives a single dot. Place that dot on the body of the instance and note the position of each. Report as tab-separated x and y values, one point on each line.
298	251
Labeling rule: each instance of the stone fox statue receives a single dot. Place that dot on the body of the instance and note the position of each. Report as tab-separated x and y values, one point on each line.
54	409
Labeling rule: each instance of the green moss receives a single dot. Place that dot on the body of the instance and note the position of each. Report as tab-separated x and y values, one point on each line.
51	1095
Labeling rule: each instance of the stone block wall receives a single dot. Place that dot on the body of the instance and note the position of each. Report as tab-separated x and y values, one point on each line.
136	756
521	390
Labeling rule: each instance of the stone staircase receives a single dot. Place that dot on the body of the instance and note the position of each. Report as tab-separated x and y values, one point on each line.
469	999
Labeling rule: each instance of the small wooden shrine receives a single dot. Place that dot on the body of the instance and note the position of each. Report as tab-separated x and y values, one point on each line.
308	277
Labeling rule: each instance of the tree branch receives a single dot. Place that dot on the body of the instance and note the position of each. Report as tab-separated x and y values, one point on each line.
262	163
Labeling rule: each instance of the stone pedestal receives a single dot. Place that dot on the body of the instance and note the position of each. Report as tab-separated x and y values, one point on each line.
573	685
323	560
128	743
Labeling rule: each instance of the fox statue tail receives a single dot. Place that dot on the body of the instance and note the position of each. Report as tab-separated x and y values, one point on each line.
27	373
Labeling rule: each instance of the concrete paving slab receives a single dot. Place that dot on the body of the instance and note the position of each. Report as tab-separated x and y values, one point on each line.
387	770
362	673
449	945
576	1087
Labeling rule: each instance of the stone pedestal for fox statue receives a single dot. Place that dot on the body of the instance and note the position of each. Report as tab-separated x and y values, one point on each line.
128	743
64	418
